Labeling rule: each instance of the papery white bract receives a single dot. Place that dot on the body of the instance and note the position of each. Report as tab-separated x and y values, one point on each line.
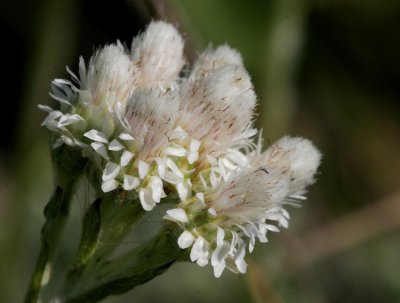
155	130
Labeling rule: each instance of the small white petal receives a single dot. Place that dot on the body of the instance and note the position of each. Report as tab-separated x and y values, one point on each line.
193	154
109	185
203	259
130	182
177	133
100	149
110	171
59	99
126	158
271	227
143	169
126	137
200	196
219	254
197	249
97	136
161	167
67	140
241	265
212	211
244	230
146	200
220	236
51	118
172	166
213	178
283	222
185	240
192	157
285	213
176	150
157	189
45	108
68	120
115	146
228	164
237	157
62	81
212	160
178	214
234	241
252	242
183	191
194	145
219	268
222	170
203	182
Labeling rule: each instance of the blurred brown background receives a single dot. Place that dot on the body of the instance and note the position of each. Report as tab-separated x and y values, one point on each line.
325	70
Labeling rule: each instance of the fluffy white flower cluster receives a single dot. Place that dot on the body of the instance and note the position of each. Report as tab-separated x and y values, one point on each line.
157	129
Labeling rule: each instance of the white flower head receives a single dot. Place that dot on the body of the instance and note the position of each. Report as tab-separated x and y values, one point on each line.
151	115
110	77
154	130
217	106
214	58
235	212
294	157
158	53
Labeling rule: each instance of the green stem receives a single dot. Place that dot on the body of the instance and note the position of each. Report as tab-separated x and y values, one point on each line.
106	223
56	213
128	271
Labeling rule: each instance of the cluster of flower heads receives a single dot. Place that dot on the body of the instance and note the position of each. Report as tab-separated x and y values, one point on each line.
155	129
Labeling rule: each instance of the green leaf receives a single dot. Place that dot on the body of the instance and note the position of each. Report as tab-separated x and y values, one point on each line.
88	243
56	213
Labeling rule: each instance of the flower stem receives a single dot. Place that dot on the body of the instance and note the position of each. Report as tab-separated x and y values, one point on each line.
56	213
128	271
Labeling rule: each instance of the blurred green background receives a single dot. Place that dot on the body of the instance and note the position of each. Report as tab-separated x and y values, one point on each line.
325	70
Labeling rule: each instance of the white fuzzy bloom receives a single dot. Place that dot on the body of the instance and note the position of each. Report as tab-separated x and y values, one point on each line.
249	194
110	77
98	95
158	53
214	58
247	204
151	115
297	158
217	107
153	130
